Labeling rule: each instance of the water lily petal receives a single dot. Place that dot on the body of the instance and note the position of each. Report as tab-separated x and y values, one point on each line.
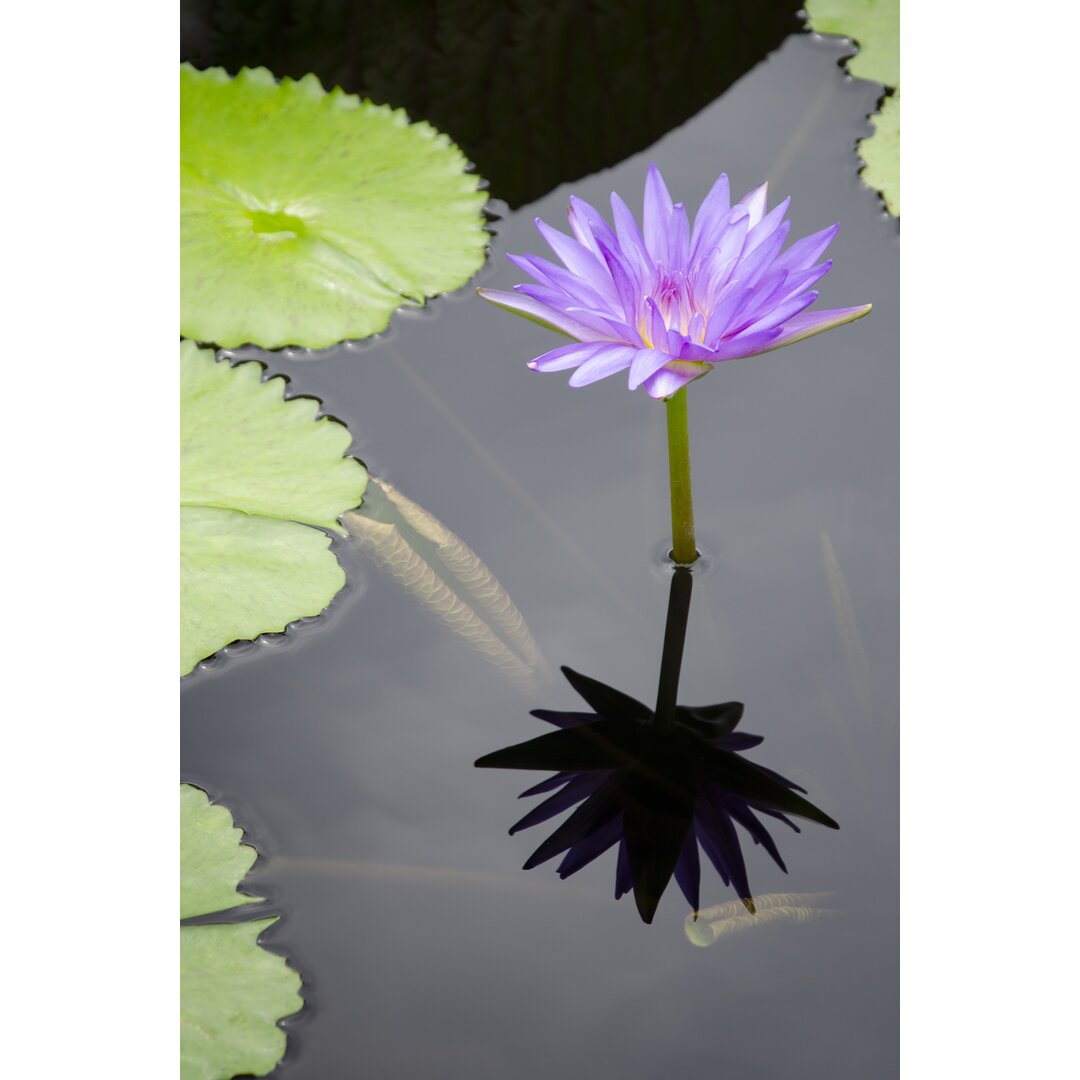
688	871
572	289
808	250
656	821
717	268
563	719
534	311
719	841
577	258
588	818
711	214
753	267
565	357
679	236
631	242
755	202
588	225
672	378
780	314
723	316
609	360
657	213
646	362
737	348
581	787
624	289
550	784
740	740
766	226
623	880
592	847
656	328
745	817
800	280
604	699
810	323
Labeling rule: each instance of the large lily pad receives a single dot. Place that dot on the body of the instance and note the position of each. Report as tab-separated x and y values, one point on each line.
256	473
232	991
874	25
537	94
309	217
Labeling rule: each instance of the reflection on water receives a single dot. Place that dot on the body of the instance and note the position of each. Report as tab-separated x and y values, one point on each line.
657	782
447	577
847	627
708	926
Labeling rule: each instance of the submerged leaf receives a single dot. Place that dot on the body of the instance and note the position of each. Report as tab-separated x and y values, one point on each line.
309	217
446	577
232	992
257	472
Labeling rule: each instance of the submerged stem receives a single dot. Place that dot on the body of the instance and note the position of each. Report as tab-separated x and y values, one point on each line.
684	549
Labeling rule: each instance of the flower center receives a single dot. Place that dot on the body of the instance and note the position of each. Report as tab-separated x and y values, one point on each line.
674	300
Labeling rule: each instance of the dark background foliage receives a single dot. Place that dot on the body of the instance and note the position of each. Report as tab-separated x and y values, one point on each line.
537	94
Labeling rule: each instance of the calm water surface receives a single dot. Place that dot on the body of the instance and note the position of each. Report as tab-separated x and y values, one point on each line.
346	748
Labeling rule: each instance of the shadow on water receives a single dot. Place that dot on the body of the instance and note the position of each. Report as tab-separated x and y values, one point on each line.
535	94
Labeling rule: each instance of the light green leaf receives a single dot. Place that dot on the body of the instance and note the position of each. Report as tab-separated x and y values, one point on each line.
256	472
213	857
881	152
307	217
874	25
232	991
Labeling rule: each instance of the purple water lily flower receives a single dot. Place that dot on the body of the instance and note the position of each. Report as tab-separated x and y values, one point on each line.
658	790
669	300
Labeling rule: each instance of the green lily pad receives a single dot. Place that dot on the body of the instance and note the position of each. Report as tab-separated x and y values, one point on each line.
213	857
881	152
874	25
309	217
232	991
256	473
537	94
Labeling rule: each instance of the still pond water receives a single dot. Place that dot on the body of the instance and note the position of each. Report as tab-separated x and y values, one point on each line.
346	747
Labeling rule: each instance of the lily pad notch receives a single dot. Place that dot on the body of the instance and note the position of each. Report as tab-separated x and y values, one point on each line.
308	218
261	478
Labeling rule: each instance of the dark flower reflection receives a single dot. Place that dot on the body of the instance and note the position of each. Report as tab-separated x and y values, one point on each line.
657	782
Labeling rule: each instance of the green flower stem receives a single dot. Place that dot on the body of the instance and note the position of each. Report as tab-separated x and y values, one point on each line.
684	549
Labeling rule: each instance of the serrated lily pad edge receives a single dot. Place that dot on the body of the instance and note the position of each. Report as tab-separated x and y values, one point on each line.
252	909
287	631
890	199
488	211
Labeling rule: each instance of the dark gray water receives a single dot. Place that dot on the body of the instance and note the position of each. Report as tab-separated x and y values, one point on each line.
347	747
